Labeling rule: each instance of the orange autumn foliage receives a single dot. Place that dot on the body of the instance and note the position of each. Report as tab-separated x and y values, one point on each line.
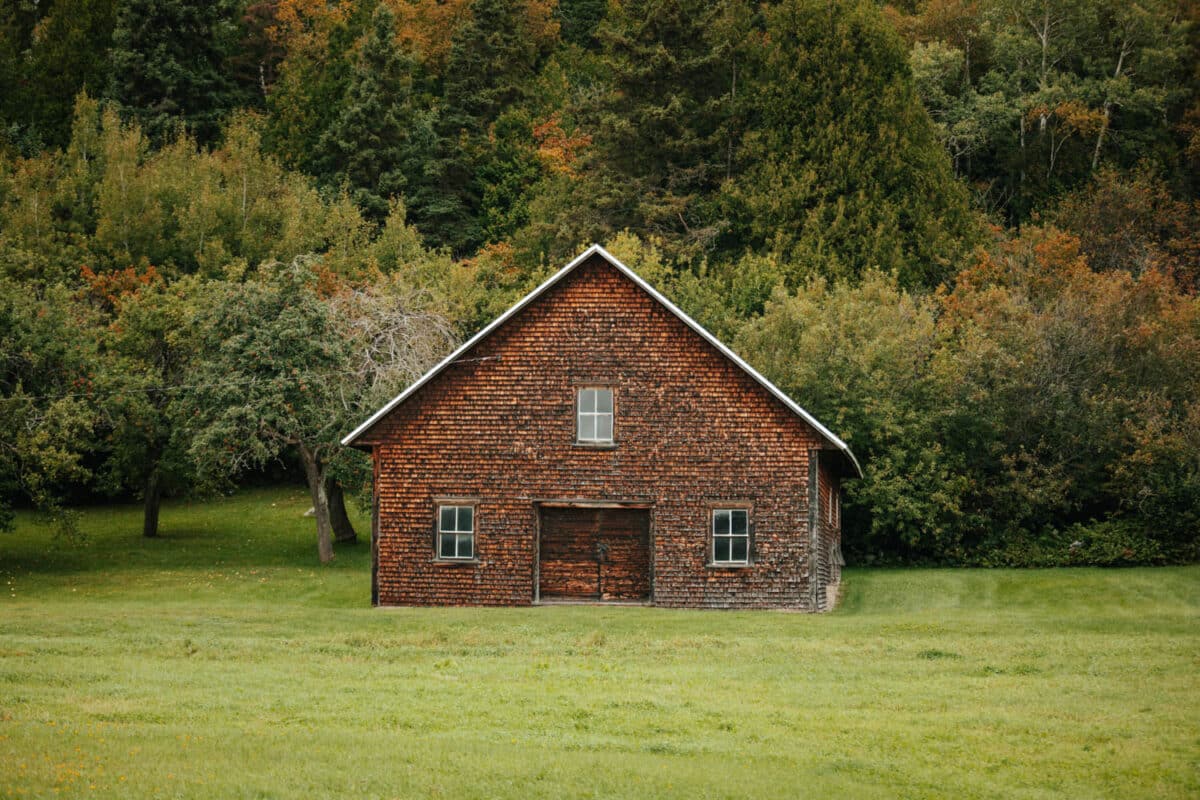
427	27
107	289
305	25
557	149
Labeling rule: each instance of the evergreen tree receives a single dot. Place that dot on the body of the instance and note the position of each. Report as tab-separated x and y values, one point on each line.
368	148
845	172
660	108
17	23
493	60
313	77
667	129
170	65
579	19
46	60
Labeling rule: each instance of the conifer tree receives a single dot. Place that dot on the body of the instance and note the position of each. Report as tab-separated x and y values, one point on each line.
666	130
170	65
579	20
48	53
845	170
368	147
493	59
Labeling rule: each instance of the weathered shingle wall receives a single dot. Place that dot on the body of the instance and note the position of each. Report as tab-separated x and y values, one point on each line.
692	431
829	572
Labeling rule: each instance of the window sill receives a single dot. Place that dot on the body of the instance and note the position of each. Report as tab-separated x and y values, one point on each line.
455	562
596	445
714	565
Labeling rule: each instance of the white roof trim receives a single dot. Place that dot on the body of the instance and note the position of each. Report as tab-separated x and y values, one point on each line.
633	276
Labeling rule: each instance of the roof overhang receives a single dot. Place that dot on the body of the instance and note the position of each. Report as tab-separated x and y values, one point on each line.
595	250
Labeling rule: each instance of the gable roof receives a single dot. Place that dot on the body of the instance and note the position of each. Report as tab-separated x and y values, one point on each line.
596	249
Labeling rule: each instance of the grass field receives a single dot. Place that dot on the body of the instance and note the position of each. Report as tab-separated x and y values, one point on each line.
222	662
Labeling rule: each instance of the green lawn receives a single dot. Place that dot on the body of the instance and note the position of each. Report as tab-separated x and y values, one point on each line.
223	662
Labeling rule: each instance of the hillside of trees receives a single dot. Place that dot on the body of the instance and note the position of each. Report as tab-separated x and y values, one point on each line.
965	234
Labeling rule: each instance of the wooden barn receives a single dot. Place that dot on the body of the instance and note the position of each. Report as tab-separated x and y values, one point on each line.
594	443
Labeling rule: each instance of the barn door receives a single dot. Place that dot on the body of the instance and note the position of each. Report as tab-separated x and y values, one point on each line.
594	554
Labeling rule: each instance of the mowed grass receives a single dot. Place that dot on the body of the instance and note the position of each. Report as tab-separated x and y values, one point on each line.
223	662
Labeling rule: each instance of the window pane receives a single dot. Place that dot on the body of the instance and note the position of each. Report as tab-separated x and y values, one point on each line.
604	400
447	520
587	400
466	518
740	545
738	521
446	549
587	427
720	521
465	543
604	428
720	548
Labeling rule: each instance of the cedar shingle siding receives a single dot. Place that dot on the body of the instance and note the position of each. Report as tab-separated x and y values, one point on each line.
693	431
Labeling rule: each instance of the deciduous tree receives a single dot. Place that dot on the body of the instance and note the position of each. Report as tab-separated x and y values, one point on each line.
285	367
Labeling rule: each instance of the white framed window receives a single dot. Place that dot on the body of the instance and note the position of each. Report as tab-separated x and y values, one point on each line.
456	532
594	416
730	536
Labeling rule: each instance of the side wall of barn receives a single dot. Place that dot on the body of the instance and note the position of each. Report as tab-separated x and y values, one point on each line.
829	534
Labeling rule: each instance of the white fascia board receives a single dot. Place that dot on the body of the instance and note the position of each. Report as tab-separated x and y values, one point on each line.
650	290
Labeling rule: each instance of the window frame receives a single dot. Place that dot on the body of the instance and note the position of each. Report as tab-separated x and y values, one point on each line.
747	534
596	416
457	531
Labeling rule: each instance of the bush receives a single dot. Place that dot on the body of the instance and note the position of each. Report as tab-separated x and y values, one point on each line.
1111	543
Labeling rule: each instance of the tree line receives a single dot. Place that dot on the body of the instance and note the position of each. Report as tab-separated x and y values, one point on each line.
961	232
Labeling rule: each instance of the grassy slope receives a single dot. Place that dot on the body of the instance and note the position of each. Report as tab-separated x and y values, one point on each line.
221	662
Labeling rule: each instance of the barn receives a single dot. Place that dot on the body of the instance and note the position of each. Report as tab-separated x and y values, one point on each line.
595	444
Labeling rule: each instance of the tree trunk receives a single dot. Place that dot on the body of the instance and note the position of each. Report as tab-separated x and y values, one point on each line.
1108	108
1100	136
153	492
313	473
1021	178
343	530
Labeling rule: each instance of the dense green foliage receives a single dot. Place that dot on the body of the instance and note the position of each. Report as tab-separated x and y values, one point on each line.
1000	418
843	171
1032	96
217	662
369	147
287	367
964	234
170	65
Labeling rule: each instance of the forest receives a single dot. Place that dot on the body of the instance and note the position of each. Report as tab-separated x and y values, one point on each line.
965	234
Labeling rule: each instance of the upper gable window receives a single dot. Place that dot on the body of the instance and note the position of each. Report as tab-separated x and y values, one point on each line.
594	416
